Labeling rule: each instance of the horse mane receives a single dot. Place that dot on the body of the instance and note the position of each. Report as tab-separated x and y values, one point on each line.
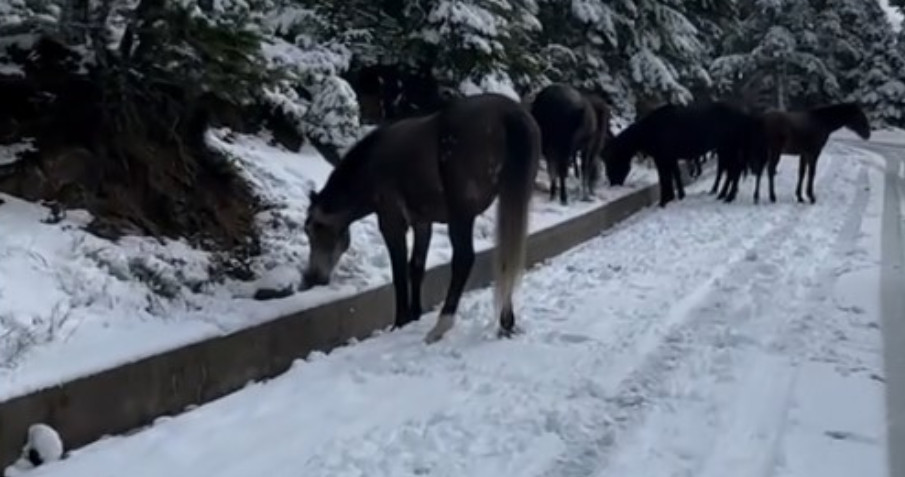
349	170
629	141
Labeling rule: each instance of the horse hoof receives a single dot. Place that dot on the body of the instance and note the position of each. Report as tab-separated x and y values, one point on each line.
503	333
444	324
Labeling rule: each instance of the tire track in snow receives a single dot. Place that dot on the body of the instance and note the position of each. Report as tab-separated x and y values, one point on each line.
741	435
705	318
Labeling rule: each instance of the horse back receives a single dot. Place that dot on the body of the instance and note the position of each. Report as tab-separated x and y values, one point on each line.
474	141
793	132
404	172
564	117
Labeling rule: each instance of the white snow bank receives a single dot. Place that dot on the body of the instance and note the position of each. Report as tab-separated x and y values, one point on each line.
72	304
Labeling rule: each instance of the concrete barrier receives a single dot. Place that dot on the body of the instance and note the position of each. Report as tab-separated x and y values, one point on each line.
130	396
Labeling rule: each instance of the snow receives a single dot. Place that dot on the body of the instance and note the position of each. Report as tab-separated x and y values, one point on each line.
894	15
12	153
72	304
893	136
699	339
498	82
44	443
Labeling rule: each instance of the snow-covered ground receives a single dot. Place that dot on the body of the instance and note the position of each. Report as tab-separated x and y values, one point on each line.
72	304
701	339
894	136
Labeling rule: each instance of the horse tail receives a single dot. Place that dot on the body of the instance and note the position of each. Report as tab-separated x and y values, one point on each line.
517	176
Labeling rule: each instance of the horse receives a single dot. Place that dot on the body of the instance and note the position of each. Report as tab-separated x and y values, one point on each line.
744	163
805	133
674	132
570	122
446	167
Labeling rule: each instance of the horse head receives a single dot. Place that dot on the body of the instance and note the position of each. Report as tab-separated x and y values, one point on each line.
328	239
617	157
858	121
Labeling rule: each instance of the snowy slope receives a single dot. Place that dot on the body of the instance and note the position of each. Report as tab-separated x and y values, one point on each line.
702	339
72	304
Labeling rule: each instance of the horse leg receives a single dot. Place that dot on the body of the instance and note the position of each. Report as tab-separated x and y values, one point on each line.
771	174
551	173
563	174
729	170
812	171
393	230
802	168
757	176
732	181
416	267
461	230
677	174
664	174
716	180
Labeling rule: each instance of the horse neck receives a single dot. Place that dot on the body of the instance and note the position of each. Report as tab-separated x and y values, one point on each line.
834	119
631	139
350	194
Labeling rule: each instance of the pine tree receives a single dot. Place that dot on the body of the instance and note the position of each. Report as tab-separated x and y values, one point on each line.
880	86
475	42
775	49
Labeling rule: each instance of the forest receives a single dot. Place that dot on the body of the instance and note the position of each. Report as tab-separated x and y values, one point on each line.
105	103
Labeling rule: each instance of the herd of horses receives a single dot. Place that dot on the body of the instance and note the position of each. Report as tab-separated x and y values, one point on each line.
450	165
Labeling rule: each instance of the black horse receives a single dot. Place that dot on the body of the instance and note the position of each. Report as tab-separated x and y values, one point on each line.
447	167
805	133
674	132
570	123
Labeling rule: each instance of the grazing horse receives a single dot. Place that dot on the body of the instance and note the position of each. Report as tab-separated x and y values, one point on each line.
674	132
805	133
447	167
570	123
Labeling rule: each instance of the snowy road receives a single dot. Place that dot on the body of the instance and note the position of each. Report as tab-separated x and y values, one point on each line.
893	300
704	339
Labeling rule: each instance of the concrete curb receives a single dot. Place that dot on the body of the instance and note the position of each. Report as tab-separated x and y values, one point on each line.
130	396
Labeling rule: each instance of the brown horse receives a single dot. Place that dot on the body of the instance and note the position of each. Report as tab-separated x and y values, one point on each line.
447	167
805	133
570	123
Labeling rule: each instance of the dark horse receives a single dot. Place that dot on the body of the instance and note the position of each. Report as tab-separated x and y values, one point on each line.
570	123
447	167
805	133
674	132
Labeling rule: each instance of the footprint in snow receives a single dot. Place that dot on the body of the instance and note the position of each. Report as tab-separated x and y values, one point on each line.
850	436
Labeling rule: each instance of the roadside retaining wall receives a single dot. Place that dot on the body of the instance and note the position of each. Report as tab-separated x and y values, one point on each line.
127	397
